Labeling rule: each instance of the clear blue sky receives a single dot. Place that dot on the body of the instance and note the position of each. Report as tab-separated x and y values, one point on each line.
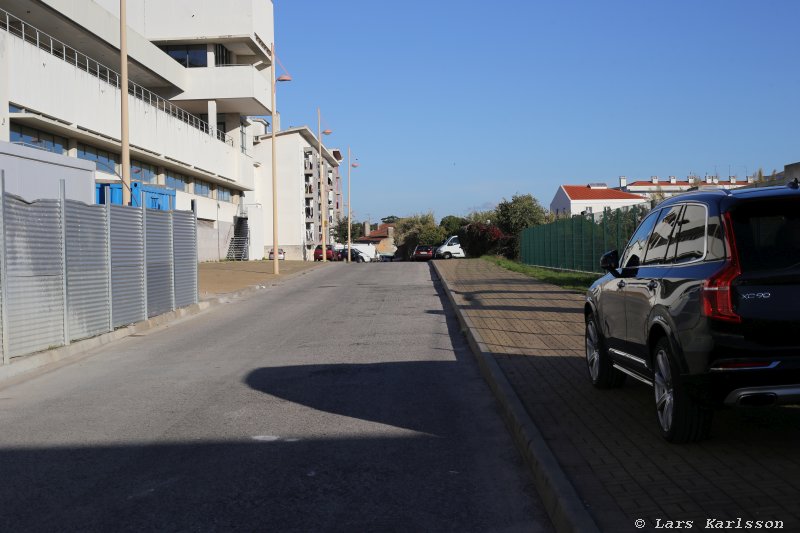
453	105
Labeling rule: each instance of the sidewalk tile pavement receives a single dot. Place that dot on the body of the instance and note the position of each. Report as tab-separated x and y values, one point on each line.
607	442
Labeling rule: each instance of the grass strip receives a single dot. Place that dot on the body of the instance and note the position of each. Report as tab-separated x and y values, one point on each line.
574	281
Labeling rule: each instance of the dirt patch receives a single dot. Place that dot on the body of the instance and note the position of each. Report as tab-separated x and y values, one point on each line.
232	276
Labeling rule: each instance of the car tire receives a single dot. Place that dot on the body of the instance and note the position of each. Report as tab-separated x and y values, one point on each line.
681	418
598	363
360	260
447	255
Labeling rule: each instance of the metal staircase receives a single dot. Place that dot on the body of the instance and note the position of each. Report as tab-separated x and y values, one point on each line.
240	243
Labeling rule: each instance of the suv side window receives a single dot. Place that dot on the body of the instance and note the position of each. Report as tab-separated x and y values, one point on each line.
691	236
660	238
634	252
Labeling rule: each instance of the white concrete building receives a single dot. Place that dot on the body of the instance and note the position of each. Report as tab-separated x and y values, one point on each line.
299	207
593	198
657	189
197	69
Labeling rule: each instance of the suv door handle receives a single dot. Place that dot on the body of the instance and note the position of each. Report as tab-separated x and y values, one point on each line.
621	284
653	285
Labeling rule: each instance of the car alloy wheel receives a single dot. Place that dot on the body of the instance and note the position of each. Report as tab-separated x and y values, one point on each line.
592	350
448	255
664	391
598	362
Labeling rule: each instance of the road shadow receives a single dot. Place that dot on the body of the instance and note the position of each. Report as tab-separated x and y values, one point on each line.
344	484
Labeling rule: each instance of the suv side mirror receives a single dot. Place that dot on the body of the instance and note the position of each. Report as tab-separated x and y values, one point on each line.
610	262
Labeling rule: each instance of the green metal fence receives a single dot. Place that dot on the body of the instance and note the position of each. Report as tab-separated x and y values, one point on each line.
577	243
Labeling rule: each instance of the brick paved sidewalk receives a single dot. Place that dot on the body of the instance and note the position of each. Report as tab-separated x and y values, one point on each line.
607	442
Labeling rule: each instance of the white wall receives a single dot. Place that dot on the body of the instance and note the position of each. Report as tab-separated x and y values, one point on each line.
101	17
193	19
291	196
560	202
33	174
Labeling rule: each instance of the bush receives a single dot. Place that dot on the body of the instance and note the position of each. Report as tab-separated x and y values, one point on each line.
479	239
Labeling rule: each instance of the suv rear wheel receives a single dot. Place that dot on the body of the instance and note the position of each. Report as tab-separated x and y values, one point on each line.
598	362
680	417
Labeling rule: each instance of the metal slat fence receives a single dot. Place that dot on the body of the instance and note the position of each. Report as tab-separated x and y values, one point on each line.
576	243
70	270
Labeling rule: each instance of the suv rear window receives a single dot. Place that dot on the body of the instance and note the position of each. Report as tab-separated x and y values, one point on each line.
768	235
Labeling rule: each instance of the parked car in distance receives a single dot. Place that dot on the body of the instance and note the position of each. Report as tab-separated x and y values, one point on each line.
356	256
702	306
330	255
281	254
422	253
451	247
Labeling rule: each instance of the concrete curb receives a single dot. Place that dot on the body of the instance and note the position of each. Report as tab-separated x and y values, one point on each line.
20	367
563	505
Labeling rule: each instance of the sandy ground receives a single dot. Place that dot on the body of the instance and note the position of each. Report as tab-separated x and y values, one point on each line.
232	276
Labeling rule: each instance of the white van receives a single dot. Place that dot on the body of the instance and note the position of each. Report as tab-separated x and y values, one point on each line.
450	248
367	250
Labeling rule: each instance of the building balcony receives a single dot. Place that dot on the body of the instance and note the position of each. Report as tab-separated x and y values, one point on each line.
245	27
65	92
239	89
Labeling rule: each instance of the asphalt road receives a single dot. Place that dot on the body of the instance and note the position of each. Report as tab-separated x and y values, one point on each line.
342	400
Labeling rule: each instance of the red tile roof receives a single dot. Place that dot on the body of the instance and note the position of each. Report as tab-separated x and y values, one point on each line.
584	192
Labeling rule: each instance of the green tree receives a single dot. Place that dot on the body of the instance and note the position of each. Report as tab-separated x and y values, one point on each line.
513	216
451	224
340	230
414	230
391	219
484	217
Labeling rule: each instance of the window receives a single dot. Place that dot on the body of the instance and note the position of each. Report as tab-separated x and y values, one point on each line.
39	139
176	181
768	236
105	161
190	56
222	56
659	240
223	194
691	237
636	247
202	188
143	172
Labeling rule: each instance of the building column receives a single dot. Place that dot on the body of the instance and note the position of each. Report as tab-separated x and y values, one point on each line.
161	176
72	147
211	60
5	123
212	116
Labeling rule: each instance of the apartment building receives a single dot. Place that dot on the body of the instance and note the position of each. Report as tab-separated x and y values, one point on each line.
657	189
300	208
197	70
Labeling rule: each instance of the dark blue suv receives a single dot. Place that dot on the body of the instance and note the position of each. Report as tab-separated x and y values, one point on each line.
704	306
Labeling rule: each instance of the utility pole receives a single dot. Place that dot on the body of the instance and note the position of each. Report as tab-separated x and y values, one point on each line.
124	140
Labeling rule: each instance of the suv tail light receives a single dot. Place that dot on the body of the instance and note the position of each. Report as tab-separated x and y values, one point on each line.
716	294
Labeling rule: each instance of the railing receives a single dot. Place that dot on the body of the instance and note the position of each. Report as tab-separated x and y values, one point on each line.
49	44
37	146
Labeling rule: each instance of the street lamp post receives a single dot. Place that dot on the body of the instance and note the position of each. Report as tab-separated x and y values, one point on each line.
124	135
349	209
323	200
276	269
